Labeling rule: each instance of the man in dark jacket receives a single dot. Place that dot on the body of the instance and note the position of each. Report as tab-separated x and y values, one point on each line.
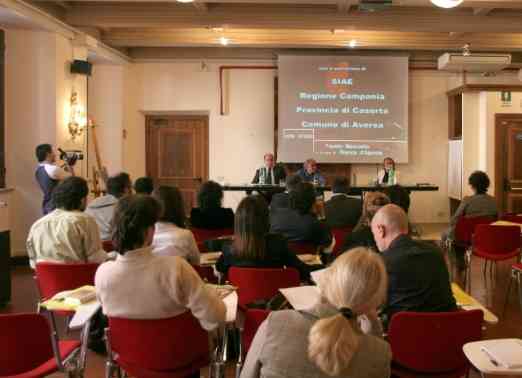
418	279
341	210
282	200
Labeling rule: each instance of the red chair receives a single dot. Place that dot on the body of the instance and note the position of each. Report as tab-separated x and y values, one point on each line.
26	350
515	218
495	243
201	235
176	347
108	245
430	344
302	248
516	274
340	235
261	283
206	273
253	319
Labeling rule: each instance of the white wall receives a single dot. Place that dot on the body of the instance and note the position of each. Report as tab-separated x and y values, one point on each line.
38	88
239	139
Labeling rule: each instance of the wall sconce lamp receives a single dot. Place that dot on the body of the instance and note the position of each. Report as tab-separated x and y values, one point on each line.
77	119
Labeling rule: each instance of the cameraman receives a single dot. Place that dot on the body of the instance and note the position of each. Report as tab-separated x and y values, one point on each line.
48	174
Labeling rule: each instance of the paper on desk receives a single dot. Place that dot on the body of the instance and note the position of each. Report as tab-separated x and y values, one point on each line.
83	313
302	297
310	259
461	297
209	258
231	301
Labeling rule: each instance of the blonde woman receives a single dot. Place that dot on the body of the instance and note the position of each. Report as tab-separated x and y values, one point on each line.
340	336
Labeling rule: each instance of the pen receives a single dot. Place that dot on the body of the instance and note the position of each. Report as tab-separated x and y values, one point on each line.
491	359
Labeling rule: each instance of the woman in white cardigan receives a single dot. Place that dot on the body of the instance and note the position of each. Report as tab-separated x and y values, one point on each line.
141	285
171	238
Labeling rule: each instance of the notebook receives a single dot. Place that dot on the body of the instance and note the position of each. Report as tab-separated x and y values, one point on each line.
302	297
71	299
507	352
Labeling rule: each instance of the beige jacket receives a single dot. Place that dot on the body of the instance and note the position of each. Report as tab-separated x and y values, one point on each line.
140	285
65	236
280	348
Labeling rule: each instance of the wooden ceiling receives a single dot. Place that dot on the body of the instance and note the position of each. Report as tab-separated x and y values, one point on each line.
491	25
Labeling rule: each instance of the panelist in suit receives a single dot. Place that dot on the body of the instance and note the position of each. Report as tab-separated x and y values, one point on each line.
388	175
309	173
270	173
342	210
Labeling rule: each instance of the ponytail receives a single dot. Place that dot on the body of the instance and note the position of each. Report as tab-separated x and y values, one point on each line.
332	342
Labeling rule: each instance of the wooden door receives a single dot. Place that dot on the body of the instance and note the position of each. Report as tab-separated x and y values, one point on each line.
177	153
509	162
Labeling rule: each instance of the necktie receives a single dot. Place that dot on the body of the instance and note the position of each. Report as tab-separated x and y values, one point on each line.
269	178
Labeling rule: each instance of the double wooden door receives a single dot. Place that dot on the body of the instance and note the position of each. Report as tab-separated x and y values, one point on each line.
509	162
177	153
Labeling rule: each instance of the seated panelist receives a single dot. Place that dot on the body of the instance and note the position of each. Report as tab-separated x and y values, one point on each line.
310	173
388	175
270	173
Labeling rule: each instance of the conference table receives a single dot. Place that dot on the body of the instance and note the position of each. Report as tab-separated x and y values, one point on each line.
354	190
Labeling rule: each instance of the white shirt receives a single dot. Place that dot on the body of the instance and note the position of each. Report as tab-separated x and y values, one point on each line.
140	285
171	240
55	172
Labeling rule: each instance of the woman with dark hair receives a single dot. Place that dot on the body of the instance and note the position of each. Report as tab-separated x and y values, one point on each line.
141	285
388	175
299	222
480	204
253	245
210	214
171	237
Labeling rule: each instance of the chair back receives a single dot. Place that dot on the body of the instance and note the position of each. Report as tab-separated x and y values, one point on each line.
53	278
465	228
202	234
256	284
26	343
515	218
432	342
302	248
340	235
158	344
253	319
108	245
496	240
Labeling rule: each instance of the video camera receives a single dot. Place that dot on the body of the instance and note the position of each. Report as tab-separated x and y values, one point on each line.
70	156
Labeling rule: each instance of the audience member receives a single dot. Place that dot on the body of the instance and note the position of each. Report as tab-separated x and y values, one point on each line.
171	236
210	214
66	234
102	208
341	334
417	273
341	210
141	285
480	204
399	196
144	185
299	223
253	245
361	236
283	199
48	175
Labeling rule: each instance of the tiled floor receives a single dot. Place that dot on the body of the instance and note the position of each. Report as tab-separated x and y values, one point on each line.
490	293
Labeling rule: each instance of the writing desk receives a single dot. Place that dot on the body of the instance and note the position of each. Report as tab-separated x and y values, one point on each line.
483	363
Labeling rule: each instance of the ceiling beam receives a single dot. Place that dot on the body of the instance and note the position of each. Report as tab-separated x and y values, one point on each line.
312	39
289	16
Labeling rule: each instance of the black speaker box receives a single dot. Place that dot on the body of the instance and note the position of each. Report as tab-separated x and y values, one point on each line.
5	269
81	67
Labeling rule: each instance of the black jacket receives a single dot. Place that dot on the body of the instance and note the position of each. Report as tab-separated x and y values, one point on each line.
278	172
212	219
361	237
277	255
299	227
342	211
280	200
418	279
